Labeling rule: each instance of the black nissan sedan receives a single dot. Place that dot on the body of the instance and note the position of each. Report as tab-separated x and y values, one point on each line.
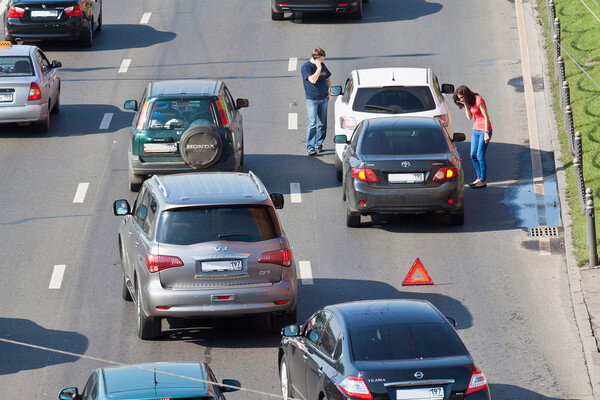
400	165
378	350
26	20
350	8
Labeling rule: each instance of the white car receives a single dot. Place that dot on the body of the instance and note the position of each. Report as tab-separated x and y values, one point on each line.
384	92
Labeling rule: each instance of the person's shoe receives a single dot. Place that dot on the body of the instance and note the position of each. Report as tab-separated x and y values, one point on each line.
311	152
319	149
479	185
475	182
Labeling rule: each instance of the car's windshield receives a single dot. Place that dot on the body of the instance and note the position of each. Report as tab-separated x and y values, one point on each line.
180	114
185	226
15	66
394	100
401	141
403	341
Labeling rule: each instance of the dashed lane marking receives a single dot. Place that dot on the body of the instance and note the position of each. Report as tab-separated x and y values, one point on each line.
57	276
292	121
293	63
124	66
106	120
80	193
295	192
3	6
145	18
306	277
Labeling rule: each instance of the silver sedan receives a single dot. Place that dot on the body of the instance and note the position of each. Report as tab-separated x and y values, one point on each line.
29	86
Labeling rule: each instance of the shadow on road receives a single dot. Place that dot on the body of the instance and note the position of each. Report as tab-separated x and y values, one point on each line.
502	391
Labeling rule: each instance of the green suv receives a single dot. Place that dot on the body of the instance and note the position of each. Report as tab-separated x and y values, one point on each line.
186	125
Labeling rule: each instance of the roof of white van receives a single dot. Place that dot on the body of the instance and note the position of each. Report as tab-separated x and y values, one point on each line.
377	77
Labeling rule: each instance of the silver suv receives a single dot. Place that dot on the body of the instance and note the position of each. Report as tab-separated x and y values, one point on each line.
205	244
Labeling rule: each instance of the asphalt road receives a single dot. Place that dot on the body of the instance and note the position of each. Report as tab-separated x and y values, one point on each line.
511	302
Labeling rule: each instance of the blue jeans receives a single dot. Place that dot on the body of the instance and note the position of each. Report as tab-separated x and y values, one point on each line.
316	122
478	149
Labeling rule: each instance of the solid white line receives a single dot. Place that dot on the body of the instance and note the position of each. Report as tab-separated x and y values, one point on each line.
306	277
292	121
3	6
80	193
295	192
293	63
106	120
145	18
124	66
57	276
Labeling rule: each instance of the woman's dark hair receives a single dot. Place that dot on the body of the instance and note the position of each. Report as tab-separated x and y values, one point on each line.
467	94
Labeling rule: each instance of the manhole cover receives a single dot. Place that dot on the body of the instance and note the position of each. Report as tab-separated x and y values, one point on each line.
544	231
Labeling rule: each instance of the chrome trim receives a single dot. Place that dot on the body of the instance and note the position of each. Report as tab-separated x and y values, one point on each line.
420	383
160	185
257	182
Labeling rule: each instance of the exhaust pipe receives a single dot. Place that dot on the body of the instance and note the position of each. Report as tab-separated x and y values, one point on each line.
340	10
286	9
18	40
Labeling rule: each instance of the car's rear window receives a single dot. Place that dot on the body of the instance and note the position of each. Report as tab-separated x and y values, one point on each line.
15	66
394	100
403	141
180	114
404	342
197	225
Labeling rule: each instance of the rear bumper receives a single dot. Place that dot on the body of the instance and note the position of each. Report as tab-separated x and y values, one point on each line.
324	7
139	167
28	113
71	29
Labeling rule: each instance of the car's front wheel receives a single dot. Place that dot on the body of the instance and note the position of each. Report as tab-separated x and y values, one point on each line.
285	383
338	168
125	291
148	328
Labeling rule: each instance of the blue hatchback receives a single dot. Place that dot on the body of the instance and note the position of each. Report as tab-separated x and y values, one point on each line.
152	381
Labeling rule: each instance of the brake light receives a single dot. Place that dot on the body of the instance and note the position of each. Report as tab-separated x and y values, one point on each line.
281	257
445	174
342	4
156	263
477	382
143	116
34	92
348	122
15	12
364	174
222	114
74	11
443	118
355	386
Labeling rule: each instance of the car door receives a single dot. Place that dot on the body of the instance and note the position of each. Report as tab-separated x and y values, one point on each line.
148	212
51	74
320	366
140	240
132	234
350	159
311	357
46	82
235	119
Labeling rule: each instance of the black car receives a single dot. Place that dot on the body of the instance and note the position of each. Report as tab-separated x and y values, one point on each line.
399	165
26	20
351	8
382	350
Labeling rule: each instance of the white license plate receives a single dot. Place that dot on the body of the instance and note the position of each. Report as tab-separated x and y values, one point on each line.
160	147
414	177
216	266
429	393
6	98
44	13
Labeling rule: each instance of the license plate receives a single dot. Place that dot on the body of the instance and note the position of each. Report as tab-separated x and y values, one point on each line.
430	393
218	266
160	147
6	98
415	177
44	13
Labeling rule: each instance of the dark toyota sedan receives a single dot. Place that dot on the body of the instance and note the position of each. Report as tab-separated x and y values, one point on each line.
351	8
402	165
382	350
26	20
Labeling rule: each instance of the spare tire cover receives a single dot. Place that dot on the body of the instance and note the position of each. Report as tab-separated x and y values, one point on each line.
200	146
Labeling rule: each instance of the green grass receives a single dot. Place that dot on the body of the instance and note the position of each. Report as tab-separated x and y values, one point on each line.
580	36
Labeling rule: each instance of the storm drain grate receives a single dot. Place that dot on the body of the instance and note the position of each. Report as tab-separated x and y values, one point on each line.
544	231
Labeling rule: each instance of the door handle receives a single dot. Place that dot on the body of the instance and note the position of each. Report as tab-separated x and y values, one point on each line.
136	242
305	357
320	371
130	233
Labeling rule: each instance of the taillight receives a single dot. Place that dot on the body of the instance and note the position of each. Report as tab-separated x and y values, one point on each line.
143	116
445	174
15	12
74	11
364	174
477	382
281	257
34	92
222	114
443	118
156	263
348	122
355	386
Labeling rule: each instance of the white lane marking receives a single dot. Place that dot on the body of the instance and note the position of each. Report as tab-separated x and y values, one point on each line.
80	193
124	66
3	6
305	273
293	63
295	192
292	121
106	120
57	276
145	18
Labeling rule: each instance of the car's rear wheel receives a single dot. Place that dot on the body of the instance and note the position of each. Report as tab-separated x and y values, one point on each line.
99	27
44	126
352	219
358	14
135	182
148	328
280	320
458	218
276	16
87	36
285	382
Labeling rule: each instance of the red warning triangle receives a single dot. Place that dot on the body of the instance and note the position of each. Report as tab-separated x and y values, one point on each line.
411	280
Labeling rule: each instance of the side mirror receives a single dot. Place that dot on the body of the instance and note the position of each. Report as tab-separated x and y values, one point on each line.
447	88
130	105
335	90
121	207
68	394
277	199
56	64
459	137
291	330
340	139
451	320
241	103
230	382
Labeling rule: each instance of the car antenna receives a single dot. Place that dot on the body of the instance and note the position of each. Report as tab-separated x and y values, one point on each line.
155	381
393	78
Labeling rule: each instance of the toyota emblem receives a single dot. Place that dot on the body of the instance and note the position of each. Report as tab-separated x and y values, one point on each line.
405	164
221	247
418	375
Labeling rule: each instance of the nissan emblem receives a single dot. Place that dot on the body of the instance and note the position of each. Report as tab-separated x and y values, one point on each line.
418	375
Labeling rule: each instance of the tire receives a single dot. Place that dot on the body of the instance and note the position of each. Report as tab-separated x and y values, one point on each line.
56	108
458	218
201	146
44	126
281	320
358	14
284	380
276	16
99	27
352	220
148	328
125	291
135	182
87	36
338	168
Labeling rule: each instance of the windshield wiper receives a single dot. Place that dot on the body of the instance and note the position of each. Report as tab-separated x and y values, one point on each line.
381	108
227	235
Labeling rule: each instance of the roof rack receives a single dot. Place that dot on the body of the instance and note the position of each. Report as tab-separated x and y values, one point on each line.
257	182
160	185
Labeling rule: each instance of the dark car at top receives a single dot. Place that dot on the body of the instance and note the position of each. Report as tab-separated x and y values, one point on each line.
182	126
378	350
26	20
399	165
350	8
